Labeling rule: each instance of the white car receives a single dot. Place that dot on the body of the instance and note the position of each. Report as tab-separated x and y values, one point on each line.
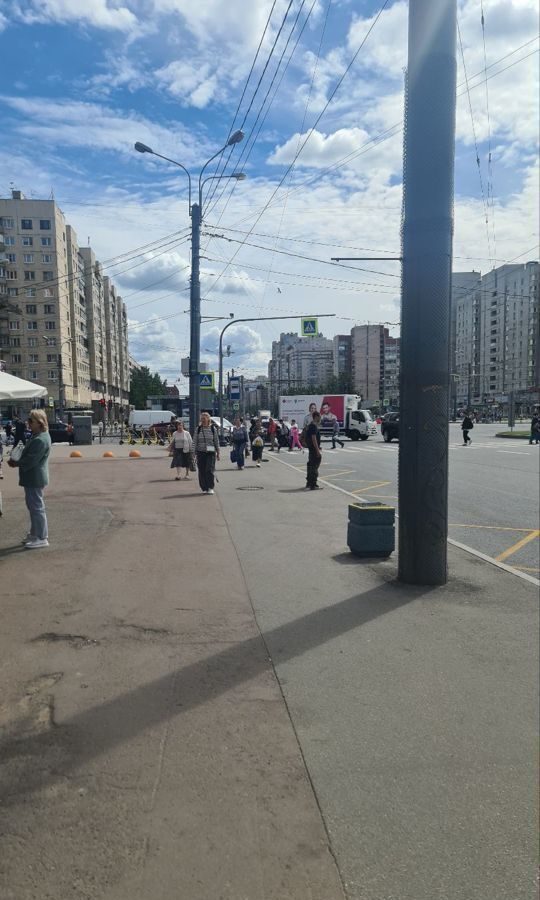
227	426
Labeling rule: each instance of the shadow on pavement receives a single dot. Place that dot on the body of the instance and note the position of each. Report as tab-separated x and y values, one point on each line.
349	559
44	758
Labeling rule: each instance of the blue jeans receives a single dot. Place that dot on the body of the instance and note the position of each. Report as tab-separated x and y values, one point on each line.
36	508
240	449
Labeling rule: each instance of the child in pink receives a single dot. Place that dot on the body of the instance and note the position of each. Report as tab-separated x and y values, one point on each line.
295	438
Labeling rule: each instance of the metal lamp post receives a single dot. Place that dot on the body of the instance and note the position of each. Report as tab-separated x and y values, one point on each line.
196	214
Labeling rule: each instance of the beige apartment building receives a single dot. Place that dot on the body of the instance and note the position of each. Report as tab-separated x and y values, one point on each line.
56	327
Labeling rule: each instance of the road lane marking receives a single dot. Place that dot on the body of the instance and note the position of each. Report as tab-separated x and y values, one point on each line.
371	487
335	474
515	452
490	559
489	527
517	546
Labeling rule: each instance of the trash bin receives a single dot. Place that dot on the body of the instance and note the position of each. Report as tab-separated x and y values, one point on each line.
82	427
371	531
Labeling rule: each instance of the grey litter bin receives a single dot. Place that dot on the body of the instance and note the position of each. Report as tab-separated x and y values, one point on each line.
82	427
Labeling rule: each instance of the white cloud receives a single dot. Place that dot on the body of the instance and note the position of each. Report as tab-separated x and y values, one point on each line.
192	82
157	345
97	13
321	149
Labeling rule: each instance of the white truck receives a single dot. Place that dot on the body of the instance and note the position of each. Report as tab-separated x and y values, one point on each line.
142	419
356	423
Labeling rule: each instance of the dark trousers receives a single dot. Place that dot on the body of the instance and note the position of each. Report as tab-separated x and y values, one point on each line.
313	464
206	463
466	437
240	449
336	440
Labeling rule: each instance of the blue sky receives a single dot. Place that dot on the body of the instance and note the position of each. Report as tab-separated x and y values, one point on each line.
84	81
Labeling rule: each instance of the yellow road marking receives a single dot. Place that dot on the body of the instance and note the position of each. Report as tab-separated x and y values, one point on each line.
378	484
335	474
515	547
489	527
526	569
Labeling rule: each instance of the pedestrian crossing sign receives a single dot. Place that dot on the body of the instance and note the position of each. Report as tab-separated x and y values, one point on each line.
310	327
206	381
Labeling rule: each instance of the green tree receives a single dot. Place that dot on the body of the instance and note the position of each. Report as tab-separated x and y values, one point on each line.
143	385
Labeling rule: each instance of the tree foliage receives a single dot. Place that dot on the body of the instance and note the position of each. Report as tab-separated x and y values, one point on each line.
143	385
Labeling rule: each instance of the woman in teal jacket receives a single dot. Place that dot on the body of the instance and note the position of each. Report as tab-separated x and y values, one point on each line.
34	476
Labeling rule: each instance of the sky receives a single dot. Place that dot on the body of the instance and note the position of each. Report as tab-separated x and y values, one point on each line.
318	84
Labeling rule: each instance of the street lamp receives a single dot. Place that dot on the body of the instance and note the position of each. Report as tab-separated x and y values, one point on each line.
195	210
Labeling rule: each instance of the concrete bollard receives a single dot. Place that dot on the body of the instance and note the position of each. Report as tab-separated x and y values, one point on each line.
370	531
75	454
108	454
134	454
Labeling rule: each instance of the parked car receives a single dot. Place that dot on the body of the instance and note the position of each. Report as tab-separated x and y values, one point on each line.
390	427
59	433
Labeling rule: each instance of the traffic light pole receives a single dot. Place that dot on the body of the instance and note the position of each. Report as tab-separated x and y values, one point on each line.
195	320
237	322
428	182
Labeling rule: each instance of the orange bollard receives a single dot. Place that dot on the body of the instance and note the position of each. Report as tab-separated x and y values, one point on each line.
108	454
134	454
76	454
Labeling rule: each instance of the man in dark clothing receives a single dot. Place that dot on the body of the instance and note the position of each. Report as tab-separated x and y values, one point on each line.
535	429
466	426
20	431
313	443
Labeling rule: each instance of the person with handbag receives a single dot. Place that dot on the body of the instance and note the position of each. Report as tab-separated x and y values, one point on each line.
181	449
206	446
33	467
239	442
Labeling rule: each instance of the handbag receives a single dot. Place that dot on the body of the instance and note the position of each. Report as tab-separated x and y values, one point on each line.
17	452
234	455
192	463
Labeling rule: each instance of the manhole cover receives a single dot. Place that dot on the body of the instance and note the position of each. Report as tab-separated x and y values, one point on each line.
251	487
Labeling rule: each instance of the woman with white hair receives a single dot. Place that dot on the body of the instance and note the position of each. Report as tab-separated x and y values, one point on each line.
33	469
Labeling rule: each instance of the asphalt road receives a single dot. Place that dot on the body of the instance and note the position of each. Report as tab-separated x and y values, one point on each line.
493	489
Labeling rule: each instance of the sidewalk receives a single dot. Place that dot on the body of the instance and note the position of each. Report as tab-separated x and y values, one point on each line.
152	750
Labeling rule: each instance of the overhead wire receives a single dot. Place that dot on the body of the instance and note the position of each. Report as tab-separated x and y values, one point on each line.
489	161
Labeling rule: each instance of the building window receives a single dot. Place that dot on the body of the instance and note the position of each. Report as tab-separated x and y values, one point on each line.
48	292
48	276
45	242
51	341
45	224
28	241
32	374
29	292
33	358
26	224
51	357
52	374
11	257
48	309
13	292
50	326
31	325
31	309
46	257
7	222
9	241
32	341
12	275
28	257
29	276
15	342
16	358
14	325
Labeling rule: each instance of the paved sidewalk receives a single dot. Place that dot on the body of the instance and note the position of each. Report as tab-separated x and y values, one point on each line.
156	746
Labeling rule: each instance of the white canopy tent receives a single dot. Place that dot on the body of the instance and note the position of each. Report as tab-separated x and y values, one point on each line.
12	388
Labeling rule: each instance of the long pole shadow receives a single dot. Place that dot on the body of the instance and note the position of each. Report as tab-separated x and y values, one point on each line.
89	734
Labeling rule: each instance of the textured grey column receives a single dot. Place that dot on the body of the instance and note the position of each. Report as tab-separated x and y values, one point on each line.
428	183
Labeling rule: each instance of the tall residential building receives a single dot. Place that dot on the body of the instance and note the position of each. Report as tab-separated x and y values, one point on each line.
342	357
53	327
464	305
299	364
496	338
375	358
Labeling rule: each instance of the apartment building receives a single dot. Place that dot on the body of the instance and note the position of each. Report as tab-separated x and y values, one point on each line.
496	337
342	356
299	364
375	359
55	326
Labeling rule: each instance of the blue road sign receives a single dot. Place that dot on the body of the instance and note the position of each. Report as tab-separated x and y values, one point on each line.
310	327
206	381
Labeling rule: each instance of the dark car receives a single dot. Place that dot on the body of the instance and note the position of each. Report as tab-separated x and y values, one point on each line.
59	433
390	427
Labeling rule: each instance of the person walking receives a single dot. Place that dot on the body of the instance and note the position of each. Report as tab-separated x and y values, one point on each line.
19	431
33	469
272	434
181	447
313	440
466	426
335	435
206	446
257	442
535	428
239	442
282	434
294	441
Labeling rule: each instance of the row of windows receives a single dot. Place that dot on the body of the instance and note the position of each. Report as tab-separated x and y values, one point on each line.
29	275
29	292
31	325
26	224
32	374
48	309
26	241
29	257
33	358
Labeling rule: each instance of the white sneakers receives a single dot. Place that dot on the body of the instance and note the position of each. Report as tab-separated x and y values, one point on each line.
210	491
35	543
